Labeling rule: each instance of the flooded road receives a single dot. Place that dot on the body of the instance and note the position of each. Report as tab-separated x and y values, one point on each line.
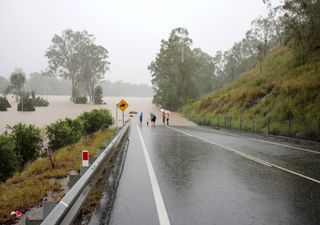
203	181
61	107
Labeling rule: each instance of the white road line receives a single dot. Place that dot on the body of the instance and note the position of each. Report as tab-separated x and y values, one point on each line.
249	157
161	209
263	141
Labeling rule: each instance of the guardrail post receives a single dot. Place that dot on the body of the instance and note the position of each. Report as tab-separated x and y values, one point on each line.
73	178
48	206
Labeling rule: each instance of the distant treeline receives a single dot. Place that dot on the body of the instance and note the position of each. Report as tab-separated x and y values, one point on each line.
46	85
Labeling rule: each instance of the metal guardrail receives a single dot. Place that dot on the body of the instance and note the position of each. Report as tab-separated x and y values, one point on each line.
70	204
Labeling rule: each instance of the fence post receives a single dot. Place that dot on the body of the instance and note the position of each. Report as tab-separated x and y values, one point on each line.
289	127
230	121
253	124
268	125
241	122
219	121
318	131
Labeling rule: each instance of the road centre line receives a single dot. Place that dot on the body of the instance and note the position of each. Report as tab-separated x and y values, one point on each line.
161	209
249	157
263	141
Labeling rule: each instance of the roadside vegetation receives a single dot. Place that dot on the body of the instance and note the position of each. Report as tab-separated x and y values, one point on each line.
285	94
267	82
23	171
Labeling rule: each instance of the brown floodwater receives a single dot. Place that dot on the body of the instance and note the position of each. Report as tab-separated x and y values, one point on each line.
61	107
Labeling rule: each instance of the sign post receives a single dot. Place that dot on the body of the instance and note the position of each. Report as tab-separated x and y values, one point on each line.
122	105
116	115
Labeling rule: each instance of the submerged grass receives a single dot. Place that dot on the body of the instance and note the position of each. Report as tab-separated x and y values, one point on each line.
27	188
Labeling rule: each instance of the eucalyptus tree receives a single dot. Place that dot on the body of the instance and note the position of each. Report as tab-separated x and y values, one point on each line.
302	22
263	33
275	14
74	56
94	65
204	75
172	70
17	80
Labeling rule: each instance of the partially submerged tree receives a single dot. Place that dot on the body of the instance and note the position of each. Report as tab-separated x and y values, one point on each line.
94	65
17	80
74	56
98	95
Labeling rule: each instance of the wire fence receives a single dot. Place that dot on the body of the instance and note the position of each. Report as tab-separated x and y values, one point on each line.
306	128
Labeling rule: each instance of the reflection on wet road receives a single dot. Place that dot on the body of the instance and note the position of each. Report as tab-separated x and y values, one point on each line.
202	183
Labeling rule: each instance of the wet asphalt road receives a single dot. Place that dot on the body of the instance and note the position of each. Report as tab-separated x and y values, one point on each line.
205	178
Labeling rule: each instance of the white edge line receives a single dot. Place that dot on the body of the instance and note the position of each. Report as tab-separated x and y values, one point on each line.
161	209
249	157
255	139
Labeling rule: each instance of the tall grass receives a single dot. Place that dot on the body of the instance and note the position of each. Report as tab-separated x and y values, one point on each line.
282	90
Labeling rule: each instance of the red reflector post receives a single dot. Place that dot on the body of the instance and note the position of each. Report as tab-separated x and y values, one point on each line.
85	158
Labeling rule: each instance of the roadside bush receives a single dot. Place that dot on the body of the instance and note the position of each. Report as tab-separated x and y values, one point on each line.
8	158
64	132
4	104
98	95
38	101
26	104
81	100
96	119
27	142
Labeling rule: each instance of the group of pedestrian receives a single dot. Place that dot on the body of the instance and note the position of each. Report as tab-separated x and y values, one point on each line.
152	118
165	118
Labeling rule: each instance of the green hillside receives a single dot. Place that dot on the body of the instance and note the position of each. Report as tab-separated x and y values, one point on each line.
285	92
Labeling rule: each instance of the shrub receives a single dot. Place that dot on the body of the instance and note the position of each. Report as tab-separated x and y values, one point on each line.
38	101
98	95
28	142
96	119
4	104
8	158
81	100
26	104
64	132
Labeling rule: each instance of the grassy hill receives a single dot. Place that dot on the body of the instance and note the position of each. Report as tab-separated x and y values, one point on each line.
282	98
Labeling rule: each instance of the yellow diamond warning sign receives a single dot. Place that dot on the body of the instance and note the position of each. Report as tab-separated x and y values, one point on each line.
122	105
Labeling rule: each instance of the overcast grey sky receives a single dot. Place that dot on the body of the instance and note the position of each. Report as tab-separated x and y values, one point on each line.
131	30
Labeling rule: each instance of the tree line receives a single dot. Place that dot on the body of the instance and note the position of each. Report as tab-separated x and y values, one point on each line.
181	73
48	85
